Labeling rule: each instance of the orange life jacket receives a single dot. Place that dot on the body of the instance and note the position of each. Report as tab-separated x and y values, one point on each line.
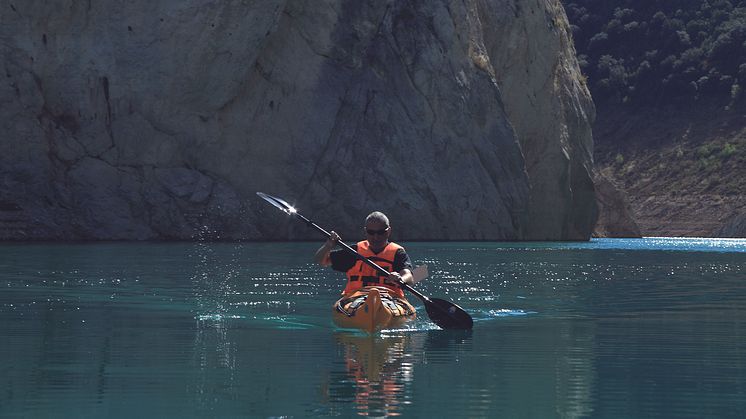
363	275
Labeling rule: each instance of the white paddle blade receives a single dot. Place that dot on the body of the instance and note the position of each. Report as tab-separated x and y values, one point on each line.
419	273
277	202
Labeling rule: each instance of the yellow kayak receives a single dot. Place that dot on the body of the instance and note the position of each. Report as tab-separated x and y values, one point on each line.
372	309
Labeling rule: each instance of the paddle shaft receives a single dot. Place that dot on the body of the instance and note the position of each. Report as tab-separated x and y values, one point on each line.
367	261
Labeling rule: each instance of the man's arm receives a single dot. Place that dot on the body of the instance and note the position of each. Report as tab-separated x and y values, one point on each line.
402	268
405	275
322	255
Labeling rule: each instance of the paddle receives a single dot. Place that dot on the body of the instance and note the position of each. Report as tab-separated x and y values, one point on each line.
444	313
419	273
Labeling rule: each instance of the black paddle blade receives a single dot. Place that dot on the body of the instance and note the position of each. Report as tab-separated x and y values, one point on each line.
279	203
448	315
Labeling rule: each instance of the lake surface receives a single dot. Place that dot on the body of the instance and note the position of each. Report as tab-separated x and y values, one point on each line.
605	329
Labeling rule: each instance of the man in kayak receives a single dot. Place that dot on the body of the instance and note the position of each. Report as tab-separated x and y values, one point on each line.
378	249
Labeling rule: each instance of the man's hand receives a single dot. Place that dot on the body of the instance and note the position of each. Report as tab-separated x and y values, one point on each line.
394	278
322	255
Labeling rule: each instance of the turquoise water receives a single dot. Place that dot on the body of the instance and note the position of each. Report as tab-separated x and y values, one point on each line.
607	329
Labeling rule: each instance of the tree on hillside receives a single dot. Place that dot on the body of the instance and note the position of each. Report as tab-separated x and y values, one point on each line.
654	52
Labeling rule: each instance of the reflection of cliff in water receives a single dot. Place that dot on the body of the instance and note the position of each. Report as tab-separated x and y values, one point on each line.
379	370
575	371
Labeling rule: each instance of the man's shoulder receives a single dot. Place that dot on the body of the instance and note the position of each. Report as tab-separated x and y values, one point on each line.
399	248
341	254
339	249
400	252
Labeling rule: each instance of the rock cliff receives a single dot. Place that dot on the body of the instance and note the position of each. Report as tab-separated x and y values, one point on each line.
735	227
615	214
159	120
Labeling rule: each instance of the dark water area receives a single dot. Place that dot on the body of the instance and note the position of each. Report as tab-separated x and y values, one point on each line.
605	329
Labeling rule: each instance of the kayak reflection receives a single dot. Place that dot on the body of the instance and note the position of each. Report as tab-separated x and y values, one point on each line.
379	370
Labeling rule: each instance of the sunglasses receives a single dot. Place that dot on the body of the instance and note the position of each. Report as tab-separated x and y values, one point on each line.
374	232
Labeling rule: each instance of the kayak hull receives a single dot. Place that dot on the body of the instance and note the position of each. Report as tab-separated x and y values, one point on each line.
372	309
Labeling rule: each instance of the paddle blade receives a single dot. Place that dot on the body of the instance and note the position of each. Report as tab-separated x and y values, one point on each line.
279	203
419	273
448	315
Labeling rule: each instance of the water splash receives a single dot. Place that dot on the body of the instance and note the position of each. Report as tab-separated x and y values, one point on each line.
217	317
494	314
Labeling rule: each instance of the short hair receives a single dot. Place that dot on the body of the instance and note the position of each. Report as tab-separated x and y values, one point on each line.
377	216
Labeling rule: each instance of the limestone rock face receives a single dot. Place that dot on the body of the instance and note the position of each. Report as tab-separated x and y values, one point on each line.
734	227
551	111
615	214
160	120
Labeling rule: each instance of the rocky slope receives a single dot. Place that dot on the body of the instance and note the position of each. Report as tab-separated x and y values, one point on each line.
159	120
682	170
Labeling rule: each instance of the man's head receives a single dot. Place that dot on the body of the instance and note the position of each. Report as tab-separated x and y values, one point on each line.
377	229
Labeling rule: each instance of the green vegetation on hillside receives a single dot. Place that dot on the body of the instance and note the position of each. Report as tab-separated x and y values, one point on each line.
678	169
661	52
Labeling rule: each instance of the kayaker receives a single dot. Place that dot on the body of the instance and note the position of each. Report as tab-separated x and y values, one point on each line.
377	248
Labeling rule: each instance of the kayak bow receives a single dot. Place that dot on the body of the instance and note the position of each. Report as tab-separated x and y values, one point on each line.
372	309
